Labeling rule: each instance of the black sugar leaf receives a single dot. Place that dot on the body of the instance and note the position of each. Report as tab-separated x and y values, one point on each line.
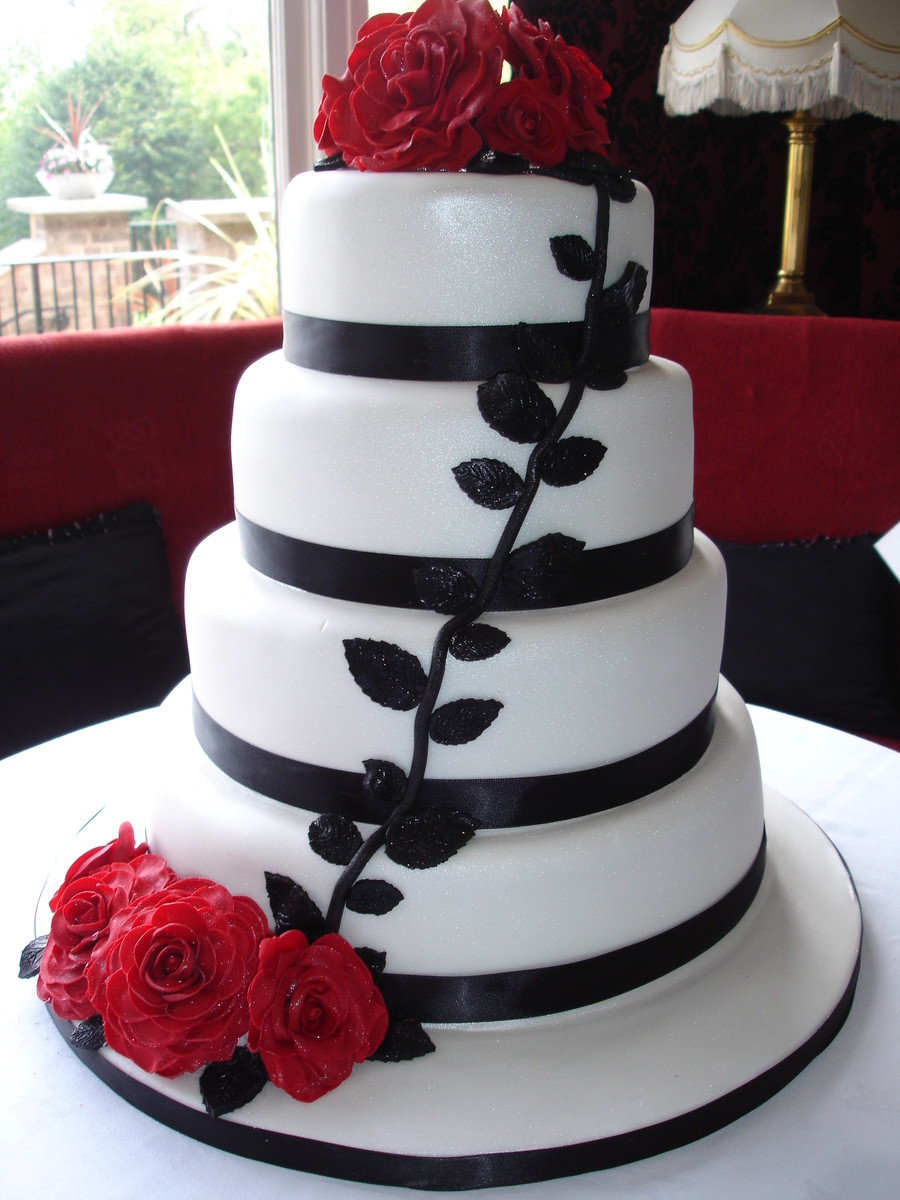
88	1035
473	643
462	721
428	837
544	353
405	1040
386	673
383	781
444	589
334	838
605	379
292	907
226	1086
621	300
489	482
373	897
515	407
571	461
574	257
30	958
536	571
375	960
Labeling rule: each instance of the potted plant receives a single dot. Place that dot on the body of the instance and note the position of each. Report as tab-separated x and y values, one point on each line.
77	166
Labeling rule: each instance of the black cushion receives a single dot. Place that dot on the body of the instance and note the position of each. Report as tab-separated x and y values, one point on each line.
87	626
812	629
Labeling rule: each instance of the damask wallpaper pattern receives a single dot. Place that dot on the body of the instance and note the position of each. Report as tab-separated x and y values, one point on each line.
718	182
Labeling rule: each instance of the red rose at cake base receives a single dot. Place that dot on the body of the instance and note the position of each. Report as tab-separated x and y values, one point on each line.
121	849
314	1012
83	910
170	981
414	84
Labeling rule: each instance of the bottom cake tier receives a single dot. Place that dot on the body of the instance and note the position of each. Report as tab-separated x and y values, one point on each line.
517	1102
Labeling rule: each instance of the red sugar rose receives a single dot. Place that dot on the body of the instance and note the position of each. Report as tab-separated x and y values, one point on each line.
314	1012
525	117
84	908
122	849
170	981
413	86
535	53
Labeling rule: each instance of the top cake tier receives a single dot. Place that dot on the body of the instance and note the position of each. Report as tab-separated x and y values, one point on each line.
441	248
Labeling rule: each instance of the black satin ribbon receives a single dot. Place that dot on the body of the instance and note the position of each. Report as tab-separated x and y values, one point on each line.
390	579
442	353
496	803
465	1171
516	995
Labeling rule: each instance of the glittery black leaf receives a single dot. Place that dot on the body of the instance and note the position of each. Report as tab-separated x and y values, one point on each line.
373	897
384	781
544	354
462	721
292	907
30	958
538	570
445	589
226	1086
489	482
572	460
605	379
404	1041
88	1035
515	407
387	674
574	257
622	299
473	643
334	838
428	837
333	163
375	960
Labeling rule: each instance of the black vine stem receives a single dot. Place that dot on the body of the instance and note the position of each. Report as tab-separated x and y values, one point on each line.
493	575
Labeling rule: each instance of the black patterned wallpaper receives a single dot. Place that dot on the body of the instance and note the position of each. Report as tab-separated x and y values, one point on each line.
718	182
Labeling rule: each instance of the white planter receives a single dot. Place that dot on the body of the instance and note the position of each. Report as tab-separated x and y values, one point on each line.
75	186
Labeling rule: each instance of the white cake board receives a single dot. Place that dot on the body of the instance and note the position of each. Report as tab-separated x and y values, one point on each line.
633	1076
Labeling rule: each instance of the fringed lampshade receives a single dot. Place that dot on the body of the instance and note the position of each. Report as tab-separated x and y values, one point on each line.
814	59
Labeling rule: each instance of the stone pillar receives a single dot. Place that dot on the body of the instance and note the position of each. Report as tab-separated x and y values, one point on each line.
74	229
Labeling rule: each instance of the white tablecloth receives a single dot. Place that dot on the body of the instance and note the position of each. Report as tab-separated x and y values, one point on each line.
834	1132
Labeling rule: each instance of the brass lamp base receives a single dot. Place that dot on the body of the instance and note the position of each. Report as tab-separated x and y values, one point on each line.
790	295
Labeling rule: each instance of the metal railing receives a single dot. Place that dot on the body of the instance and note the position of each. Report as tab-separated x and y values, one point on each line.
85	291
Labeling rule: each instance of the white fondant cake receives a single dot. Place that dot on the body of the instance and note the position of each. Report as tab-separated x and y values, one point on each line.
455	707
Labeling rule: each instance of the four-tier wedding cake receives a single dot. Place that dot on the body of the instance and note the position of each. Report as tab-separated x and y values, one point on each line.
459	869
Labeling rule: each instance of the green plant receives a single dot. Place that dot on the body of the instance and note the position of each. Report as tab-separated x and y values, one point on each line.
239	285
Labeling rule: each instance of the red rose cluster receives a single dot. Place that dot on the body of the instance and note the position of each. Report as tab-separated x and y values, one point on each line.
179	970
424	91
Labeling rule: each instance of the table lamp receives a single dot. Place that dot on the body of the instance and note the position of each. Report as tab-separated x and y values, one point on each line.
814	59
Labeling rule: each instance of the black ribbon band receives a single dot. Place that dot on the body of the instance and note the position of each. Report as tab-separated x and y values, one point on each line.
443	353
391	579
496	803
514	995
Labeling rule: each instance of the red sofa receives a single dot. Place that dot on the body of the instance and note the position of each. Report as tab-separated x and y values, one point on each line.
797	438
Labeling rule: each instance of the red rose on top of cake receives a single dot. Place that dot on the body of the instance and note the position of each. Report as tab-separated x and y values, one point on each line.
413	86
552	65
423	91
